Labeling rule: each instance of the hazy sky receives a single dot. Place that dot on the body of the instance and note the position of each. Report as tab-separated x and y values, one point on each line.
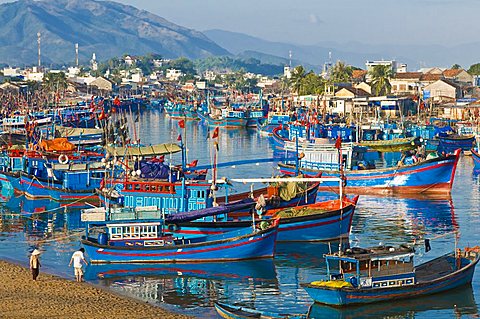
445	22
313	21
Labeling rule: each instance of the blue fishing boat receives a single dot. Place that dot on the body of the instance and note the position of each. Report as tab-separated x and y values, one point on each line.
388	273
451	142
238	312
274	120
321	221
476	159
139	240
434	175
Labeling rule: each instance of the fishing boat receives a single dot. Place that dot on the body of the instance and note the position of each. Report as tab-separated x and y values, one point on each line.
138	240
388	273
476	158
238	312
274	120
451	142
323	221
434	175
393	145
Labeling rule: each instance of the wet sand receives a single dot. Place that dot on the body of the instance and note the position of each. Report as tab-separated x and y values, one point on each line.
54	297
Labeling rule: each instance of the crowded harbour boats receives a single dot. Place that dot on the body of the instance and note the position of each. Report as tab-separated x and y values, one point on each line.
169	191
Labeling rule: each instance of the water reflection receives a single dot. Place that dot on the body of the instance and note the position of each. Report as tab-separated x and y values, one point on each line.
459	302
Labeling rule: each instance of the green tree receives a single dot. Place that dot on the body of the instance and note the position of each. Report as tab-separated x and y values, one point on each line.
312	84
183	64
298	74
380	79
55	82
474	69
456	66
341	72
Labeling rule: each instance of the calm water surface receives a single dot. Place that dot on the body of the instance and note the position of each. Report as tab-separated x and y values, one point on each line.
271	285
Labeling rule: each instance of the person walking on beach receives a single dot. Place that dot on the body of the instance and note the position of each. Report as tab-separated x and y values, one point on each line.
35	263
77	259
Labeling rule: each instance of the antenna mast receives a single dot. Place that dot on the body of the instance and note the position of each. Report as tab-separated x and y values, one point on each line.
76	54
39	36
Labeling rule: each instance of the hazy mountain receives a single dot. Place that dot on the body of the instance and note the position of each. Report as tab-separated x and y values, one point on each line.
273	59
354	53
106	28
310	54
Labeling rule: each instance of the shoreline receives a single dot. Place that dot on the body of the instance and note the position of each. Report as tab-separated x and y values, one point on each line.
53	296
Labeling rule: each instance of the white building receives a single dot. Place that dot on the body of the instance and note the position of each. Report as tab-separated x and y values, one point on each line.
73	71
12	72
173	74
287	71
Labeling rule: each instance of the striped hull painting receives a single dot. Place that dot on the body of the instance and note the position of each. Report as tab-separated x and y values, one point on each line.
233	122
36	189
233	246
317	227
351	296
434	176
476	159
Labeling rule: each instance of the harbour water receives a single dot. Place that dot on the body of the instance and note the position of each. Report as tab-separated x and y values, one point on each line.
270	285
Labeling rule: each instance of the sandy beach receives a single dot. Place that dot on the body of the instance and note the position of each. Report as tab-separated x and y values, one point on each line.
55	297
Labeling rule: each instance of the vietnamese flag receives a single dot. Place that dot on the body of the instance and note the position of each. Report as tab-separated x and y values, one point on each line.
215	133
181	123
116	101
338	143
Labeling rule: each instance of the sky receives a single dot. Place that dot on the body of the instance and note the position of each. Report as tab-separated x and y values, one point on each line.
446	22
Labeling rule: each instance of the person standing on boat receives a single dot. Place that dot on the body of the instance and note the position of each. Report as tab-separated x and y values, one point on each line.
35	263
77	259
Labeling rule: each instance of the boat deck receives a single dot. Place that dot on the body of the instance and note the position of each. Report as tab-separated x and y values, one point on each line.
435	269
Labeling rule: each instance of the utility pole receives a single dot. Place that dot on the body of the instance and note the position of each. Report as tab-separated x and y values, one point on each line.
76	54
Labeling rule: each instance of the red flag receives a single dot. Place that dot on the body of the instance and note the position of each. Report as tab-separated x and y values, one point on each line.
102	115
181	123
215	133
193	163
338	143
114	109
179	138
116	101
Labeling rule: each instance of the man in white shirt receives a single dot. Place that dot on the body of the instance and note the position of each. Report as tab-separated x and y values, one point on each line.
77	259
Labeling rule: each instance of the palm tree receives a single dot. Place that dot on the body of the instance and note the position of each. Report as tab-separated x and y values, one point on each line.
341	72
380	79
298	74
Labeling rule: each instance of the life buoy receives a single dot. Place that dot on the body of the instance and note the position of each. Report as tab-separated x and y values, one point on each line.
63	159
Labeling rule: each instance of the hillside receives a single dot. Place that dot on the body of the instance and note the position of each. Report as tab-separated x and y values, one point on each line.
107	28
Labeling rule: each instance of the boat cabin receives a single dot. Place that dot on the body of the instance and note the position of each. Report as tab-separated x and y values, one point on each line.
378	267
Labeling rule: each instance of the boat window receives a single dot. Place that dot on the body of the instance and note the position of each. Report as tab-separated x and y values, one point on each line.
154	188
137	187
129	187
126	232
167	188
147	188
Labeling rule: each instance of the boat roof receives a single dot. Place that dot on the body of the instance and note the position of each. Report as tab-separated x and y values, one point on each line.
151	150
374	253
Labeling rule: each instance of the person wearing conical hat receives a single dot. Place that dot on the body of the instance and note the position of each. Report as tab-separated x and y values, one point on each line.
35	263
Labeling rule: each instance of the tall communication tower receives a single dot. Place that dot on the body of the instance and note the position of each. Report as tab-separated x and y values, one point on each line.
76	54
39	36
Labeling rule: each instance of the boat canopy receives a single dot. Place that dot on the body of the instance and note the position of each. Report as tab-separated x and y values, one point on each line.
150	150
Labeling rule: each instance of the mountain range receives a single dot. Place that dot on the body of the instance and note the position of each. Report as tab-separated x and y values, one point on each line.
107	28
110	29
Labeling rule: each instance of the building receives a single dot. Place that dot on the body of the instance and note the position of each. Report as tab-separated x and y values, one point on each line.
102	84
441	90
394	65
407	83
12	72
287	71
9	88
359	76
173	74
458	76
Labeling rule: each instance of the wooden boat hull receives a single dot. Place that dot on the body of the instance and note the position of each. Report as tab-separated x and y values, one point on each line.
33	188
236	245
476	159
324	226
433	176
394	145
450	144
352	296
